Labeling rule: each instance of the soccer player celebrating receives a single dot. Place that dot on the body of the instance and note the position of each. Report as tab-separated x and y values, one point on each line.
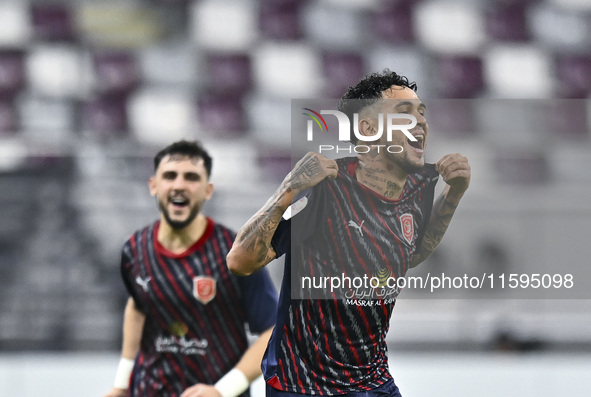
184	324
375	212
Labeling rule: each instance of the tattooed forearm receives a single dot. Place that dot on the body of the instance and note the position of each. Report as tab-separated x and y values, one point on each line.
443	211
252	248
302	176
254	239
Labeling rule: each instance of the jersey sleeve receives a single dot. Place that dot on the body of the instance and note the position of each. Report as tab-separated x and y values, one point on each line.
300	220
260	300
282	238
127	275
427	203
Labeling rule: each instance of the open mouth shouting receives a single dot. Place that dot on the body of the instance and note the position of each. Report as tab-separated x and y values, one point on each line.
419	144
179	202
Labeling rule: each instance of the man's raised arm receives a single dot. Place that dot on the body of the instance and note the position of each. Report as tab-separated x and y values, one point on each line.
252	249
455	171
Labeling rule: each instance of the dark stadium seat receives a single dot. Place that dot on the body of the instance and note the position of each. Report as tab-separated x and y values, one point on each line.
52	22
574	76
280	19
221	113
8	117
173	2
459	77
507	22
451	117
229	73
106	116
12	74
565	119
522	168
393	22
116	72
275	163
341	70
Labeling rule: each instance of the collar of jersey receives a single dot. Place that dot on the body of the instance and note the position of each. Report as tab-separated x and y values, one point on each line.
198	244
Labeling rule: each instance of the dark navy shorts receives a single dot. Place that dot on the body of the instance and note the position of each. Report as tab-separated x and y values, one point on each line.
388	389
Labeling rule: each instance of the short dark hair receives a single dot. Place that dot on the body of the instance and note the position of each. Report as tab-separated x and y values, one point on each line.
191	149
369	91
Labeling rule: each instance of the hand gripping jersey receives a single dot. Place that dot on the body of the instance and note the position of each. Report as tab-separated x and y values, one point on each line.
195	310
339	228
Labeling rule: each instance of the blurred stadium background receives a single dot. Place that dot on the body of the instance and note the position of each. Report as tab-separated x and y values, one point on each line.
91	89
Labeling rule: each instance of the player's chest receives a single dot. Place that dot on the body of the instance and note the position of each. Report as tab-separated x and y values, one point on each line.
196	278
373	223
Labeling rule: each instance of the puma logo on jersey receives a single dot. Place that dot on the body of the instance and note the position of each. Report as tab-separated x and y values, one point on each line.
356	226
143	282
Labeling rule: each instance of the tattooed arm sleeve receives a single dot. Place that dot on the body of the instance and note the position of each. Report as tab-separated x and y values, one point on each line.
443	210
252	249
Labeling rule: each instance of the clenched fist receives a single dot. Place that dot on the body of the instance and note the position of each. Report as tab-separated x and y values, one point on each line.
455	171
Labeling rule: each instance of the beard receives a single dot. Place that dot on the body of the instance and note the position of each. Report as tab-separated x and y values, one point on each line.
403	161
178	225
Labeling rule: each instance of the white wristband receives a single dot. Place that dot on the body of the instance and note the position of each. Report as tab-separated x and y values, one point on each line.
232	384
123	373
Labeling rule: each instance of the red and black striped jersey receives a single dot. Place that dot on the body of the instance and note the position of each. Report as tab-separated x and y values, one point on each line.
195	310
330	343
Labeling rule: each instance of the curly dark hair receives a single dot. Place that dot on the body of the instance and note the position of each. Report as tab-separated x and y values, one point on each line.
191	149
369	91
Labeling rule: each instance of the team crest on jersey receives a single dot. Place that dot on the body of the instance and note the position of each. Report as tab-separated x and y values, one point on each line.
204	288
407	227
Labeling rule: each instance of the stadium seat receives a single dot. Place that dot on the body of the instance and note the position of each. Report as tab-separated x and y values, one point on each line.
15	24
408	61
171	64
434	19
574	5
507	22
48	119
224	25
334	27
559	28
518	71
117	24
522	168
451	117
56	70
52	22
459	77
160	116
280	19
275	163
289	70
269	120
116	72
565	119
229	73
173	2
574	76
341	70
393	22
8	117
12	74
221	114
106	116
